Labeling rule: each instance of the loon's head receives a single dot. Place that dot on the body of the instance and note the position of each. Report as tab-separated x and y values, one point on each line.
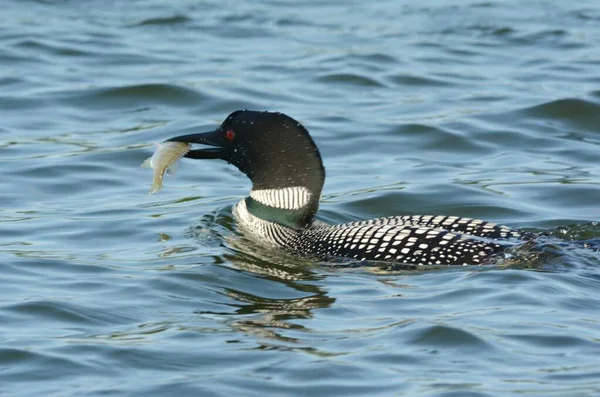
277	154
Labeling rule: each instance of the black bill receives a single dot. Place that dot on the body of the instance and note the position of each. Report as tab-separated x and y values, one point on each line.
212	138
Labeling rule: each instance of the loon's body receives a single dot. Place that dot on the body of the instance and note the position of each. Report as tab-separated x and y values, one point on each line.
285	167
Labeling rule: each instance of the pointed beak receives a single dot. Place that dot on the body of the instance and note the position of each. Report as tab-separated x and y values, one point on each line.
212	138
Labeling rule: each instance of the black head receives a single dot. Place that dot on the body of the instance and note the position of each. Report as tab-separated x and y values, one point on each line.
274	150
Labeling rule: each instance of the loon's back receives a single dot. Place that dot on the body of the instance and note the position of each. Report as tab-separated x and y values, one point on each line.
283	163
417	240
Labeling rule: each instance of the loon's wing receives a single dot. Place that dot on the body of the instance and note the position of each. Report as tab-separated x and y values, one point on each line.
413	244
468	226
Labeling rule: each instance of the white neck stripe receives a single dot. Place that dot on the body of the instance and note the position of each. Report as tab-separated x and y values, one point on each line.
289	198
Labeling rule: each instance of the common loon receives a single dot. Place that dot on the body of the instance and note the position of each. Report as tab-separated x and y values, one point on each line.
281	159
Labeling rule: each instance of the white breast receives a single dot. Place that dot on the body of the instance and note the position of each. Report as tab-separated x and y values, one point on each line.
263	231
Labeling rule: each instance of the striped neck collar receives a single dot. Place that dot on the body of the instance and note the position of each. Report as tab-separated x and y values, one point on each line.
292	207
288	198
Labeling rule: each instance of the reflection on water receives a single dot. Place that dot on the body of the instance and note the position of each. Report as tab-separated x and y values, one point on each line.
262	317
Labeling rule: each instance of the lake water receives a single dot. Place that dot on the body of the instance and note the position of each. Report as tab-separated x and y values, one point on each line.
486	109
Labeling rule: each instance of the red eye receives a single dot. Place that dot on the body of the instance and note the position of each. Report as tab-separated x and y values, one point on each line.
229	135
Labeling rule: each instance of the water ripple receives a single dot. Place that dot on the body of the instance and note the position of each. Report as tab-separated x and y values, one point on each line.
164	21
143	94
349	79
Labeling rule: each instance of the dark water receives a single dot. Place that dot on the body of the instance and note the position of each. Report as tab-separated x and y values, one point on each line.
487	109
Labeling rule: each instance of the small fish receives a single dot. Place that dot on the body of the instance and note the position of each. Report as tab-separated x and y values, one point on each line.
166	158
